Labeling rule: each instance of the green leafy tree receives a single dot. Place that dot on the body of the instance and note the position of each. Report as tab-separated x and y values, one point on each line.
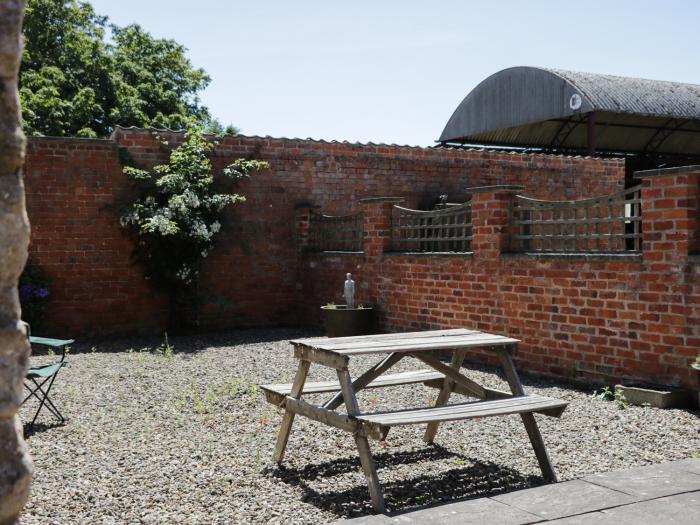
75	83
176	216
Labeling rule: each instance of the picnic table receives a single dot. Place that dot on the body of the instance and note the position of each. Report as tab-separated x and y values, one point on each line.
426	347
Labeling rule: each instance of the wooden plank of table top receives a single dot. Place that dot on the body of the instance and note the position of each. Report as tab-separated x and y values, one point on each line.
417	347
379	337
370	343
404	343
459	411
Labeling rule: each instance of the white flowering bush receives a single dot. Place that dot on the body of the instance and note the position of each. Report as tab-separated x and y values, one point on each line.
177	212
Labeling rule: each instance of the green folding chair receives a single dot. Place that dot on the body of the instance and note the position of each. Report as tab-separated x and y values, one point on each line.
38	376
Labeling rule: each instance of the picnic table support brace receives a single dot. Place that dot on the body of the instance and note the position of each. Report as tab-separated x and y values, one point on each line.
288	418
444	395
365	379
366	459
474	388
533	431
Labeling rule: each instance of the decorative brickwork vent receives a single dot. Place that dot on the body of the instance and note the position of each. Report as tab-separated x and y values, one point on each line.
445	230
335	233
609	224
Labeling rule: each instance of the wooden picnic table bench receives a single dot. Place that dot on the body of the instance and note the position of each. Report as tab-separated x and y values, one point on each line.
424	346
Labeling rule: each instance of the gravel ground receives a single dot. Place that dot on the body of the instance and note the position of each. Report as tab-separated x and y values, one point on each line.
188	438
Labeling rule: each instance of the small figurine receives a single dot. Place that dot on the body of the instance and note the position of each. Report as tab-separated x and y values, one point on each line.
349	291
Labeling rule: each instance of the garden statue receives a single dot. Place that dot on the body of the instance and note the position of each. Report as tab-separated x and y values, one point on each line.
349	291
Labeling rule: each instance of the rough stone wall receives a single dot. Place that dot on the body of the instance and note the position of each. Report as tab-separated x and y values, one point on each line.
250	278
15	465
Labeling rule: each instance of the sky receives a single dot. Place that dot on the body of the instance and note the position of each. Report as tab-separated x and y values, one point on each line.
394	71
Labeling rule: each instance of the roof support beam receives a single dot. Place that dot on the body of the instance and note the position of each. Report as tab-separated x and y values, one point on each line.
590	134
565	130
665	131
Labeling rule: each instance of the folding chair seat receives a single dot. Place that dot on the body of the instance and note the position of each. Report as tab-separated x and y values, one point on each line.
39	376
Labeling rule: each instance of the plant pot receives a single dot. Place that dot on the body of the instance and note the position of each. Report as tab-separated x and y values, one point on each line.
341	321
657	396
696	367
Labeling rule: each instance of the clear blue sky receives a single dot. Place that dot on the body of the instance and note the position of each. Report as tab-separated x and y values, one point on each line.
393	71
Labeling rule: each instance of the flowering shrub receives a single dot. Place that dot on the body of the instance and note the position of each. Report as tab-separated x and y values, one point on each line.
34	296
177	213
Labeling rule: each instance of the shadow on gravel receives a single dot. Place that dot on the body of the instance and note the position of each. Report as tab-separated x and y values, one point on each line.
185	344
38	428
473	478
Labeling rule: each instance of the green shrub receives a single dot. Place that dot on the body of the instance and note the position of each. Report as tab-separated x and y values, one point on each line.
177	214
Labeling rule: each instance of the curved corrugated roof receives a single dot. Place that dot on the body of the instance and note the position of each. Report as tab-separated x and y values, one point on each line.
638	96
568	111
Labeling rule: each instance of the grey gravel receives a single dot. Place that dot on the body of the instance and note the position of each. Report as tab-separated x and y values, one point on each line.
154	439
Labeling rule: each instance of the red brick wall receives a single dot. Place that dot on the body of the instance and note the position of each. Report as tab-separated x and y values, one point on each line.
73	186
583	318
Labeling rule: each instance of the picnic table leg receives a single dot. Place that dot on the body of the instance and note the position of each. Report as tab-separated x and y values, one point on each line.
533	431
444	395
288	418
366	459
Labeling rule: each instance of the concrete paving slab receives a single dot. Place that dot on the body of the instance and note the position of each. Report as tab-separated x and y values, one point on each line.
686	465
681	509
577	502
469	512
565	499
590	518
653	481
379	519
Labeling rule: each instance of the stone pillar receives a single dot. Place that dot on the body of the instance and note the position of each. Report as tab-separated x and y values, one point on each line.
15	465
491	208
376	219
670	214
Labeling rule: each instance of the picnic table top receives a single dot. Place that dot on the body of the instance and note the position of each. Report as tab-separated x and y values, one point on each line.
406	342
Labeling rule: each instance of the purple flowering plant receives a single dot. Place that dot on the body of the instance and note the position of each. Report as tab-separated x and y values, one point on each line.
34	295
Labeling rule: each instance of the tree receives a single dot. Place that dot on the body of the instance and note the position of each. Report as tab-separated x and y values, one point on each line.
15	465
75	83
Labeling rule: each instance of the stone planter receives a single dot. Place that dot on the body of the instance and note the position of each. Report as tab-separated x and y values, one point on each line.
341	321
654	395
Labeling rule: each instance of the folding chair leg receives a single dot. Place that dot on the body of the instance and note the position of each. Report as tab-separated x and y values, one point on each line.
49	404
44	400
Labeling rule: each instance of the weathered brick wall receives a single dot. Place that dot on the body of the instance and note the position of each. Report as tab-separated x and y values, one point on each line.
74	186
600	318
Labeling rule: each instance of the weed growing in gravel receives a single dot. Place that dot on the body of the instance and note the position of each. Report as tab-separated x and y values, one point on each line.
70	391
253	392
233	387
608	394
50	352
695	454
166	349
373	400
